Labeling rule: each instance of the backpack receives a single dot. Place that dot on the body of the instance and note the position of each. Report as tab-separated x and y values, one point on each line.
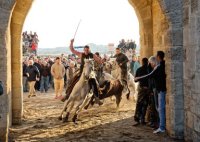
1	88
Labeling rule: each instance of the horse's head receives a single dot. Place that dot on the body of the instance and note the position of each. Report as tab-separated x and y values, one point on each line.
108	65
88	67
112	64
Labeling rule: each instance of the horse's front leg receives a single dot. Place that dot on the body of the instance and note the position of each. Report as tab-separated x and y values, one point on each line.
64	109
91	102
81	105
65	119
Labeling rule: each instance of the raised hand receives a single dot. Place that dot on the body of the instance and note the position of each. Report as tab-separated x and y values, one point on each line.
72	40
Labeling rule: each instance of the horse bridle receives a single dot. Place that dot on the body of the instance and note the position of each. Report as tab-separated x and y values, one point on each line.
92	70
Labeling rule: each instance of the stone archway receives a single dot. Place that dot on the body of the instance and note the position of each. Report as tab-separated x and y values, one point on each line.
160	29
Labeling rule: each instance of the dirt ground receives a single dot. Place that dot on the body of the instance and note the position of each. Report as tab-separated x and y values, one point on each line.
99	123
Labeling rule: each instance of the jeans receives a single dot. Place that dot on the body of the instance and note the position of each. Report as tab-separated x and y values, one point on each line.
161	109
44	83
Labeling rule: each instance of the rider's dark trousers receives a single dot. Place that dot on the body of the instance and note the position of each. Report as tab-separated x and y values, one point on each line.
93	86
142	103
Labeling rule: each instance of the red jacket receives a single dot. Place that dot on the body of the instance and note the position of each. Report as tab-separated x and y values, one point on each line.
34	46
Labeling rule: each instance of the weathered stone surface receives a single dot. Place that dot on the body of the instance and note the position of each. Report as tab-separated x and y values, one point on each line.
191	71
194	6
7	4
167	25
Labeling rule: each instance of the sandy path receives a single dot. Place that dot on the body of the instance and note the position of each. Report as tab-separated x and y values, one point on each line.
102	123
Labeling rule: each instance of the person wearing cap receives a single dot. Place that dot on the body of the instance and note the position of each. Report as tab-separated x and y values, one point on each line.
58	72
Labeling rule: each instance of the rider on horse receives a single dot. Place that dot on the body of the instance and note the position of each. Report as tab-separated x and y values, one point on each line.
122	61
92	82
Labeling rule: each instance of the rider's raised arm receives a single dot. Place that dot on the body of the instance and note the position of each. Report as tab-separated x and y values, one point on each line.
96	58
73	50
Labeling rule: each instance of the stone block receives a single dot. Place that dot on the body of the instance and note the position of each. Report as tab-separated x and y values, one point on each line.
177	37
171	5
198	62
196	136
185	16
5	17
176	18
176	101
188	134
197	123
7	4
23	6
176	54
146	13
194	6
186	3
179	118
197	108
196	83
177	70
140	4
189	119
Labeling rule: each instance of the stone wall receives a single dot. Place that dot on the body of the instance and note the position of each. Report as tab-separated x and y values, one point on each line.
161	28
18	16
143	9
191	23
5	66
174	67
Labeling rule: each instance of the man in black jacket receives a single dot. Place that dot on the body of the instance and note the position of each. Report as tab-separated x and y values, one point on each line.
122	60
143	93
38	65
25	81
33	74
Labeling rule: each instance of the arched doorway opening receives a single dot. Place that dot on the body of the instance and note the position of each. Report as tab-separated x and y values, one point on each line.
159	29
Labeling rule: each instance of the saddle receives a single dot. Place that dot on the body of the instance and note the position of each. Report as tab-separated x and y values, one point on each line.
71	86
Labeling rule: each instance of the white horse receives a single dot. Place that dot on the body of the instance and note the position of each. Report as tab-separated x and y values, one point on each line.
80	93
116	73
133	85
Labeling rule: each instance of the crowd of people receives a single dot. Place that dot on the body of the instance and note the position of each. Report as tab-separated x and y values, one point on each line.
30	42
41	73
127	45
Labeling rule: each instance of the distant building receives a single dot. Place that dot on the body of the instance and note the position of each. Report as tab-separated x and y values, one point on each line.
111	48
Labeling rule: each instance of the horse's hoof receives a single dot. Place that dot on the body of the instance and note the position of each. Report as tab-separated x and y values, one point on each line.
86	107
74	118
65	119
128	96
60	118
